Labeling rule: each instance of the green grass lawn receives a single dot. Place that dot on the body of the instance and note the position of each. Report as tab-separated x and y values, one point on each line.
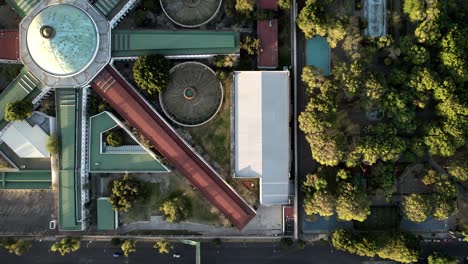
149	206
201	208
213	137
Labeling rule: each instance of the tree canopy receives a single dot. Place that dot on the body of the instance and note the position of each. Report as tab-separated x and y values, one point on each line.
396	246
17	247
417	207
176	207
114	138
163	246
352	203
18	111
314	20
125	191
66	245
151	73
128	246
438	258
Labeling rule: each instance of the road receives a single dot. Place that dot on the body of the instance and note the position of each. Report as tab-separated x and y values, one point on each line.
227	253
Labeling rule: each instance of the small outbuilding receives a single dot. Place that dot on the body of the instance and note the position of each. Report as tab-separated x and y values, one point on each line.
107	218
261	132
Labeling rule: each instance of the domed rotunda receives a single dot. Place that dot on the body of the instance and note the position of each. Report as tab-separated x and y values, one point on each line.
65	43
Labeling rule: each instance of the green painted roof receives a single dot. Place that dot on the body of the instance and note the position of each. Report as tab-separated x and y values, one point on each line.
25	180
69	191
104	162
146	42
105	215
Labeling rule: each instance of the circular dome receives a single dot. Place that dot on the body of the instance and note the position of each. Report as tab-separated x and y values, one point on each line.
191	13
62	40
193	96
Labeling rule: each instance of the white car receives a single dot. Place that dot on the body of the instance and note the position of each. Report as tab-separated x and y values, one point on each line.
176	255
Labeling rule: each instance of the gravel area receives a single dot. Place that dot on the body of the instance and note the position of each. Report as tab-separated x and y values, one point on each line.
26	211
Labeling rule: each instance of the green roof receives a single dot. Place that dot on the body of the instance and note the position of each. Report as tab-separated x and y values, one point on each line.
106	162
147	42
69	191
25	180
105	215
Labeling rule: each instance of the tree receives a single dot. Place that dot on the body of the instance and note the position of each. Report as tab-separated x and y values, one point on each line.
225	61
438	258
414	9
176	207
151	73
391	245
417	207
250	45
18	247
430	177
245	6
416	55
428	32
439	142
125	191
18	110
383	179
314	20
458	169
163	246
114	139
453	55
284	4
128	246
321	203
443	207
361	245
66	245
352	203
52	144
398	246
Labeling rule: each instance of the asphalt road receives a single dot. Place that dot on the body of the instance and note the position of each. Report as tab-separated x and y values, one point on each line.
227	253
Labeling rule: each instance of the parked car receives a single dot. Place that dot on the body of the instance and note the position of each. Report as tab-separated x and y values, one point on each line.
176	255
117	254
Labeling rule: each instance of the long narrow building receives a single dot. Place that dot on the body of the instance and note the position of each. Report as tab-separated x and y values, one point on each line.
131	106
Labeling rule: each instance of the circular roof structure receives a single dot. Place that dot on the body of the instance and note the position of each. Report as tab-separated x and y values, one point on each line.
62	40
193	96
191	13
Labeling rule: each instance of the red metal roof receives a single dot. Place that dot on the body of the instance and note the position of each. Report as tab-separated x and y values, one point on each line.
9	45
288	212
126	100
267	32
267	4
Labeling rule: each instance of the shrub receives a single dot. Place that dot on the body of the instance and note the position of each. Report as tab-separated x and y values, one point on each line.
245	6
250	45
114	139
53	144
18	110
286	242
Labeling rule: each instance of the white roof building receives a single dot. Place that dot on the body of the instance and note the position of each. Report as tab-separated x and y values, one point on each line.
25	140
261	128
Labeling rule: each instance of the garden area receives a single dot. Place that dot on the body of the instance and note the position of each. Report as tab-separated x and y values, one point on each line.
390	103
